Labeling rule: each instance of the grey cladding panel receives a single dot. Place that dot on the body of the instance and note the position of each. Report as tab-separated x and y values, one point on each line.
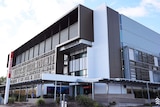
114	44
86	23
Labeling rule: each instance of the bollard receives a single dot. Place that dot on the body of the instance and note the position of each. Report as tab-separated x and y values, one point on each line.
65	104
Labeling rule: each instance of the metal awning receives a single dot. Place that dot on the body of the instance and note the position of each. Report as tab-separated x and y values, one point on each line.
130	82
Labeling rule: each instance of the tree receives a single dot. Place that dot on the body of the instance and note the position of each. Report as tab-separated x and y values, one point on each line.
2	80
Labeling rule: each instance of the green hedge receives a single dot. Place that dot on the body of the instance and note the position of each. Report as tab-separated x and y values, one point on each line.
87	102
11	100
40	102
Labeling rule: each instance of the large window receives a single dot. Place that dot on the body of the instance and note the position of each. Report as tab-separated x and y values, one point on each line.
31	53
73	31
140	63
55	41
41	48
26	55
64	35
78	65
36	49
48	45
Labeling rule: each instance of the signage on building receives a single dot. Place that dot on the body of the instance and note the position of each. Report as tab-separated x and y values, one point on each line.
157	101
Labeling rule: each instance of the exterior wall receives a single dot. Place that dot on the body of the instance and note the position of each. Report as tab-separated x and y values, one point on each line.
98	54
78	24
117	89
103	57
32	69
114	44
102	88
139	37
139	65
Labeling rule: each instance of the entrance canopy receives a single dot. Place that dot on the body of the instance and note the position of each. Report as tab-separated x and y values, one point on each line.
66	79
129	82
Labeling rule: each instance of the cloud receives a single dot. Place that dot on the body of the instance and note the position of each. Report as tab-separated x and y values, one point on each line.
23	19
143	9
155	4
138	11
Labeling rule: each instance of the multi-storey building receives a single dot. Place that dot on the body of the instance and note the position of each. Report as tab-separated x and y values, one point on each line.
87	46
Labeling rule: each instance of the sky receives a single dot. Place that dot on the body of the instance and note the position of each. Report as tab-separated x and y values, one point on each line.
21	20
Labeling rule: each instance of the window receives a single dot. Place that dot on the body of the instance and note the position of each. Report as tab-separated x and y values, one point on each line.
55	41
18	59
73	31
23	57
48	45
64	35
36	49
31	53
41	48
26	55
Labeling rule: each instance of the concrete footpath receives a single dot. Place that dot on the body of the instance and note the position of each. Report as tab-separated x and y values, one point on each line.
19	104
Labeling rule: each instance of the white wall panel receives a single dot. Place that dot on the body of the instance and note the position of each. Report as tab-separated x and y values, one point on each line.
131	54
155	61
151	76
117	89
98	54
100	88
138	36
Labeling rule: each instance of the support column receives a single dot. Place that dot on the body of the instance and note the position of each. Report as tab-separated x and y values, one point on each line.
107	92
26	93
7	87
32	94
42	90
75	91
60	92
92	90
19	96
149	99
132	90
55	88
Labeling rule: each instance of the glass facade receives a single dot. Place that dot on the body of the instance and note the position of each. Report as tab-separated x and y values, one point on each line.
78	64
141	65
48	44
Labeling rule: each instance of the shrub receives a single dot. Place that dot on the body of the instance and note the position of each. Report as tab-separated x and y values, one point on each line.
87	102
40	102
58	100
11	100
22	98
